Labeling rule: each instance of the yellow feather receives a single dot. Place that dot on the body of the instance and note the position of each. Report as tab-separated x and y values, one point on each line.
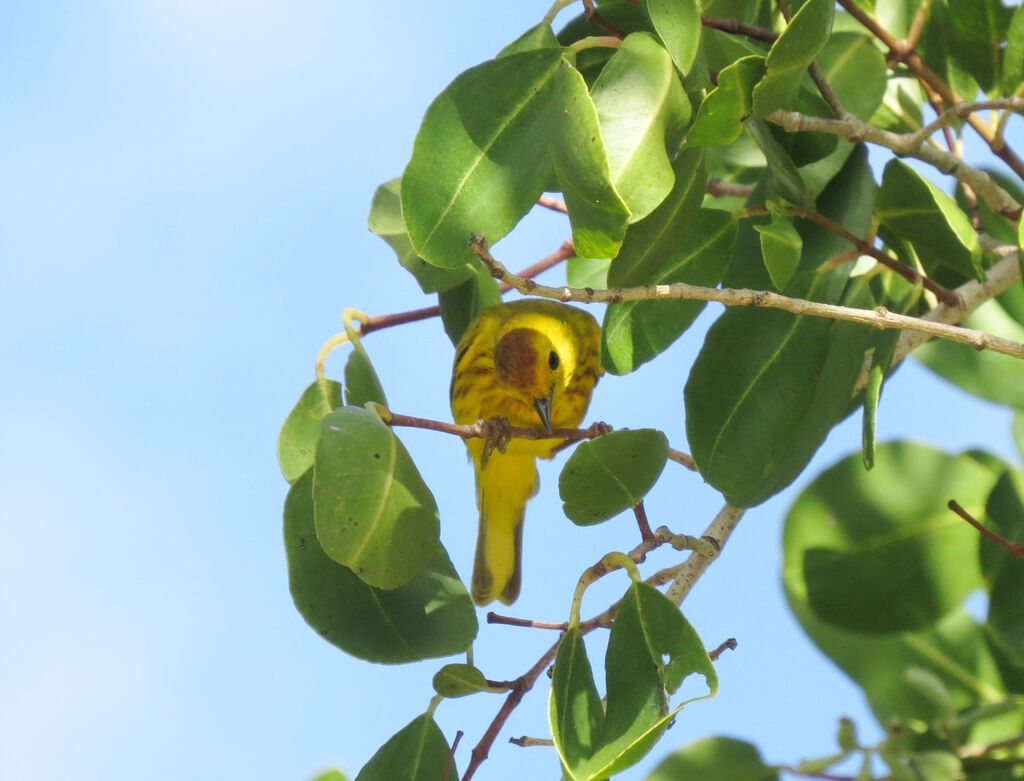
514	361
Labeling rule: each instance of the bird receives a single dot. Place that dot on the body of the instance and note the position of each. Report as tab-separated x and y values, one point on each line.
533	362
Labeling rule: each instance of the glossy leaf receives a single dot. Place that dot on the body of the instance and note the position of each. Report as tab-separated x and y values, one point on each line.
480	159
886	532
596	211
387	222
917	210
781	246
792	52
417	752
767	386
460	304
856	71
678	25
296	444
430	616
607	475
642	110
714	759
679	242
361	381
574	707
785	176
723	112
990	375
975	37
458	680
373	513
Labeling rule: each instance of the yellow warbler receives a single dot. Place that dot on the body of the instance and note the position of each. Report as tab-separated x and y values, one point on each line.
534	362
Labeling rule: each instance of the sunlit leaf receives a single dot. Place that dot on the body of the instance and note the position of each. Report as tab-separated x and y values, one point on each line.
722	113
361	381
607	475
574	707
480	159
458	680
714	759
1013	56
642	110
855	70
296	444
373	512
781	246
430	616
677	23
539	36
792	52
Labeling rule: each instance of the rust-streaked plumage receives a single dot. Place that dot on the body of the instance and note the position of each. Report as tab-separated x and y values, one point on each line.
534	362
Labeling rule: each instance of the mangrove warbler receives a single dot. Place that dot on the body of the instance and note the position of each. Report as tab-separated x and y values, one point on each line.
534	362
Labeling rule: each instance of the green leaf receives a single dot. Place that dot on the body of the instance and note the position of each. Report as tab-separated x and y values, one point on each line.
1004	510
361	381
458	680
607	475
805	148
881	361
886	532
855	70
574	707
791	53
587	272
386	221
678	242
990	375
296	444
417	752
539	36
767	386
723	112
900	111
596	211
462	303
920	212
1018	432
677	23
715	759
1013	56
781	246
373	513
937	766
480	159
642	110
430	616
785	176
331	775
975	38
651	649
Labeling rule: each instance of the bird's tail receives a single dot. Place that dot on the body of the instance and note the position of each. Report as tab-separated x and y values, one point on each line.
503	486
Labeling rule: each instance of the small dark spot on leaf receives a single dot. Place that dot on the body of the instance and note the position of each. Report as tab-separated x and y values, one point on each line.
376	455
323	633
302	543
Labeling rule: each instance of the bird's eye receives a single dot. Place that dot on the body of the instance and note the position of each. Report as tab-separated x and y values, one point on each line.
553	360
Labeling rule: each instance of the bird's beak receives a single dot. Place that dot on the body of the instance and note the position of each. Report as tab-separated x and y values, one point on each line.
543	407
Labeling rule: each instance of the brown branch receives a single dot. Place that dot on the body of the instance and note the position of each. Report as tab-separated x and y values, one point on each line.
917	25
1015	548
526	742
641	521
728	645
736	27
555	204
482	430
720	188
494	618
592	16
451	756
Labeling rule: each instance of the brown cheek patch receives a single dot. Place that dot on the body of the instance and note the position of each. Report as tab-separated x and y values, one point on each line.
516	359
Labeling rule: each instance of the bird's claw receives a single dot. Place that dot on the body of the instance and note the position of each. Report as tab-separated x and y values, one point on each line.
497	432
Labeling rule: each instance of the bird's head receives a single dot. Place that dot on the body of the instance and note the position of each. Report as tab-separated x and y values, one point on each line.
531	367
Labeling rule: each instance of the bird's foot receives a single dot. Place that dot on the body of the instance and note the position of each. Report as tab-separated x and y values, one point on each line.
497	432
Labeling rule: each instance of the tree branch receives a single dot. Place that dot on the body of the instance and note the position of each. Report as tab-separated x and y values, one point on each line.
880	317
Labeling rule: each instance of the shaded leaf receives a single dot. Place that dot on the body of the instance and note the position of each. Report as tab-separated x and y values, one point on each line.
417	752
574	707
430	616
296	444
678	25
642	110
480	159
361	381
714	759
855	70
900	110
1004	511
373	512
785	176
387	222
596	211
607	475
1013	56
920	212
539	36
886	532
460	304
792	52
781	246
1018	432
975	37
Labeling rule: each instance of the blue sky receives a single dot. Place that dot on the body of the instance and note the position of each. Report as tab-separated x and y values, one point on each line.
182	220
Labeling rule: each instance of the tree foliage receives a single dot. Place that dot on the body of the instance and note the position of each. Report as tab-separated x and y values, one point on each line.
716	150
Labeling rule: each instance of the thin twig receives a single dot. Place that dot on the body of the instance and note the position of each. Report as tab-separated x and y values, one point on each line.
451	756
527	742
879	317
641	521
720	188
494	618
728	645
719	530
1015	548
736	27
555	204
